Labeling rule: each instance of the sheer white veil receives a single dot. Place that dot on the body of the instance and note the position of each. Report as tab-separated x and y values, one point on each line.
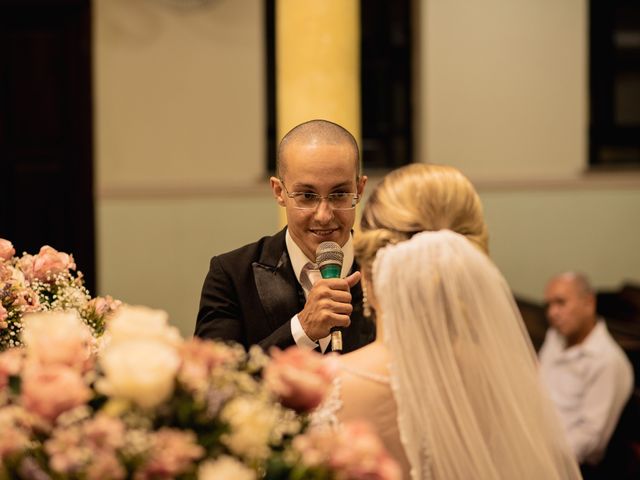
464	373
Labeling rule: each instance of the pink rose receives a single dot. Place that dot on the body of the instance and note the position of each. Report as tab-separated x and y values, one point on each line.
88	450
363	454
354	452
172	454
6	249
27	300
301	378
50	261
104	305
106	465
200	357
5	272
49	390
16	431
59	338
3	317
104	432
46	263
25	265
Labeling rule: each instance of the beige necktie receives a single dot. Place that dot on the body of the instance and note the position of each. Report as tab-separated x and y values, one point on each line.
309	275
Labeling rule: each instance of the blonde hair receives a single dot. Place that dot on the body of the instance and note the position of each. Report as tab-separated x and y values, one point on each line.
416	198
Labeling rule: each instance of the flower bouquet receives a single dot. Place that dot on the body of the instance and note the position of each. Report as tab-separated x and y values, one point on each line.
43	282
151	405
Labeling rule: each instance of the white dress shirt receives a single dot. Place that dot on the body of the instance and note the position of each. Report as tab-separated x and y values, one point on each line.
298	261
590	384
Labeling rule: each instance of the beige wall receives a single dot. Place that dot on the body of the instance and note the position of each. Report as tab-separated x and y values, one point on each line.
179	105
504	87
179	94
503	96
180	145
535	233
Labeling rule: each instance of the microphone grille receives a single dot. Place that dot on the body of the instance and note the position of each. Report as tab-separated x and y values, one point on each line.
329	253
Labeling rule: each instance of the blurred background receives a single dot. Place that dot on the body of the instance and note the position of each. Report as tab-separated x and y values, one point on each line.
139	135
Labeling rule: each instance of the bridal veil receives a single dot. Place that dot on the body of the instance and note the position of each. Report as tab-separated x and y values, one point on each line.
464	373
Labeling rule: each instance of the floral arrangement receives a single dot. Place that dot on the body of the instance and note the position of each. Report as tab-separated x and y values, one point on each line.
151	405
43	282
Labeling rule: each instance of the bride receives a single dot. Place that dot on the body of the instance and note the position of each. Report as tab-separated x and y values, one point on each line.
451	381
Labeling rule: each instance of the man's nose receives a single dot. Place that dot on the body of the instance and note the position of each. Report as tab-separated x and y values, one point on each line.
323	212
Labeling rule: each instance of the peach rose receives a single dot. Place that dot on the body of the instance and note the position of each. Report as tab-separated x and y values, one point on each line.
47	262
354	452
6	249
15	428
3	316
301	378
104	305
200	357
5	272
49	390
172	454
88	449
25	265
27	300
59	338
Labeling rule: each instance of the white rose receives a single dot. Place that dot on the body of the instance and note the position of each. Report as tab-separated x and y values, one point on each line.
140	370
225	467
251	422
57	337
132	322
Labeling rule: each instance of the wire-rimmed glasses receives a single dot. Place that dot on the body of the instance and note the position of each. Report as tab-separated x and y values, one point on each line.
311	201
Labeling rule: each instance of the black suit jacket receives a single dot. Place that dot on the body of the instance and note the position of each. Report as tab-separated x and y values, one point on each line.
250	295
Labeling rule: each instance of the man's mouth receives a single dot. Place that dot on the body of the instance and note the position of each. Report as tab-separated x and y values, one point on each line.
323	232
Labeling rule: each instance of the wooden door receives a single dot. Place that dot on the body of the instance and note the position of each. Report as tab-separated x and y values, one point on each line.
46	174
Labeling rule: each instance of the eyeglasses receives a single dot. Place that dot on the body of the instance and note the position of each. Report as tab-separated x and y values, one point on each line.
311	201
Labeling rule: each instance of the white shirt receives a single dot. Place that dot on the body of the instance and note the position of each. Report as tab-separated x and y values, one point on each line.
590	384
298	261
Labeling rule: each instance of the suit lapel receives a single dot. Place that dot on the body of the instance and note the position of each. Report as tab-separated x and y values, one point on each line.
275	281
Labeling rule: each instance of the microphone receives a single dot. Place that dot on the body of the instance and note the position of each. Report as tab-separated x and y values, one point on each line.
329	258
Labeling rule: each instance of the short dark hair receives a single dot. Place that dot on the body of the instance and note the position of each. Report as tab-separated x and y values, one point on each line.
327	132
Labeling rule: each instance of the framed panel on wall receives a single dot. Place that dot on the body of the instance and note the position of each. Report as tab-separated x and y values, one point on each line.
614	127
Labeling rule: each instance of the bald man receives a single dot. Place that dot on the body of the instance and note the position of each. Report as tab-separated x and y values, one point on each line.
269	292
588	375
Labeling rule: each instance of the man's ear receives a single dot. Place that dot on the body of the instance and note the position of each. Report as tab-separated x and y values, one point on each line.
278	191
361	184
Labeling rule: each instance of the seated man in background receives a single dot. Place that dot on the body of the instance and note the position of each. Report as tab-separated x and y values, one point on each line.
588	375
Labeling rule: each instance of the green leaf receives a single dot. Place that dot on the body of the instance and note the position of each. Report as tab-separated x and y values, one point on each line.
15	384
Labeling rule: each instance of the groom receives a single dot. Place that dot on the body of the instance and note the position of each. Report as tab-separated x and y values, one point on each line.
267	292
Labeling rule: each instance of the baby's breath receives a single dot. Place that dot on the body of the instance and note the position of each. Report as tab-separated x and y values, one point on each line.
22	293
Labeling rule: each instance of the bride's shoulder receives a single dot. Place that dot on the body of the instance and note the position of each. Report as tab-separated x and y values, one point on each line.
361	378
371	360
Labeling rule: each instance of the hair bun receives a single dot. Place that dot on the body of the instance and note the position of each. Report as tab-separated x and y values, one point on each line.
368	243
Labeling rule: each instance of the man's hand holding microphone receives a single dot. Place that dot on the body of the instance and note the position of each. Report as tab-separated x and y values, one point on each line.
328	305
